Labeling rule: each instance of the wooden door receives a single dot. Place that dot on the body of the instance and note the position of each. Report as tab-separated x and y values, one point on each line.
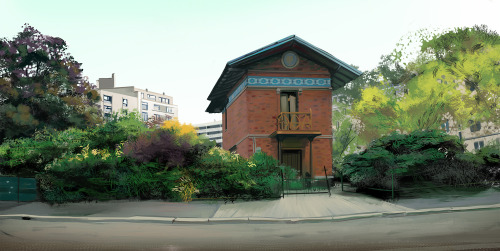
293	158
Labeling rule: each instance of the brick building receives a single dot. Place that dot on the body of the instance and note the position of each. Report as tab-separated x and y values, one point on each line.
278	99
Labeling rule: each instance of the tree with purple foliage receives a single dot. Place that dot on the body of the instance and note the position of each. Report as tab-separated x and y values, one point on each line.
41	86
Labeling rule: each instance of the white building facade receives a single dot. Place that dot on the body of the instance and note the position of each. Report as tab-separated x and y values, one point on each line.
213	130
476	135
150	105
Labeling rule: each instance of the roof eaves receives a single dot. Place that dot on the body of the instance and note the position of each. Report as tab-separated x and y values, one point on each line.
329	56
260	50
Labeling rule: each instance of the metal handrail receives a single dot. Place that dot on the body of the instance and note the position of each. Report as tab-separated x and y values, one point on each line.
295	120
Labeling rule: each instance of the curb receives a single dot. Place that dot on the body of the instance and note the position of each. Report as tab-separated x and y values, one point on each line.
248	220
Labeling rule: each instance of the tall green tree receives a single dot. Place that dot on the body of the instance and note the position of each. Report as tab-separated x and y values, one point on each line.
346	140
388	70
41	86
455	76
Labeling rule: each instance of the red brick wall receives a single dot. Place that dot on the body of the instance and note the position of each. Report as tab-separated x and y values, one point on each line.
320	101
263	109
322	156
237	122
254	113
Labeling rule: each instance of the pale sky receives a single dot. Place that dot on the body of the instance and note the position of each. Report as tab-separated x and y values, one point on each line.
181	47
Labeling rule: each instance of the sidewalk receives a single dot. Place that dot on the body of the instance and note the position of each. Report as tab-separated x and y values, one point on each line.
292	208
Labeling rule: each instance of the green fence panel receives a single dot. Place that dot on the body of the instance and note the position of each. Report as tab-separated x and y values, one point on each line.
27	189
17	189
8	188
304	186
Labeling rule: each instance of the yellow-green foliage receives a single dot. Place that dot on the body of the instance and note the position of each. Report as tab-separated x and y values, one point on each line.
461	82
186	189
184	130
372	99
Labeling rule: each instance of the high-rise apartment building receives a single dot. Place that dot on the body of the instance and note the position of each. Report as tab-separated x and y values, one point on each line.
213	131
148	104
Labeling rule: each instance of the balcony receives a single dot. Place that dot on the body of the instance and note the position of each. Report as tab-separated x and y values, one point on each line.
295	124
295	121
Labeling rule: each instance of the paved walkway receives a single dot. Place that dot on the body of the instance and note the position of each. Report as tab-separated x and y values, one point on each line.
340	206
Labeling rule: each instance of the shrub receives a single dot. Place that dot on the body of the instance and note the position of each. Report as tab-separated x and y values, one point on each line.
265	171
97	174
89	175
220	173
28	156
490	156
421	155
159	146
187	131
117	130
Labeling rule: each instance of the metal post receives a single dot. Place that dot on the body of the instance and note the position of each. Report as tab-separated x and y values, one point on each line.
18	186
342	180
327	183
279	151
392	183
282	184
311	157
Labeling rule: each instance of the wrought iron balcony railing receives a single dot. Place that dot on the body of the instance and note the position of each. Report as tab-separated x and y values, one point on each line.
295	121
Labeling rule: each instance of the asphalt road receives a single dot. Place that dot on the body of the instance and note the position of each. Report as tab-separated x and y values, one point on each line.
445	231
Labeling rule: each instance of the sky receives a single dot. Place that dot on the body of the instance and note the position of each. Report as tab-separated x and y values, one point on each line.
181	47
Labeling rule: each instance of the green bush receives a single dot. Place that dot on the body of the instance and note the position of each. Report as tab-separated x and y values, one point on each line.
97	174
120	128
220	173
29	156
490	156
419	156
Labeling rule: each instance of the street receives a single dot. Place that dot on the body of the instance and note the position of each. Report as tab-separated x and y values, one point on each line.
443	231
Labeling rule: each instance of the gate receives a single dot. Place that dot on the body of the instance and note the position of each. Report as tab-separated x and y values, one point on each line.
17	189
305	185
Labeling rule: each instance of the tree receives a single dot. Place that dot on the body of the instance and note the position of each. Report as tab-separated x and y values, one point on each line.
187	131
387	70
345	139
41	86
454	77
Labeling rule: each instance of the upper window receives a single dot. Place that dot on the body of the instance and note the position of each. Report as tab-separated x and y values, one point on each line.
475	126
170	110
225	119
107	109
214	126
145	106
446	126
290	59
125	102
165	100
152	97
107	99
156	107
289	102
478	145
